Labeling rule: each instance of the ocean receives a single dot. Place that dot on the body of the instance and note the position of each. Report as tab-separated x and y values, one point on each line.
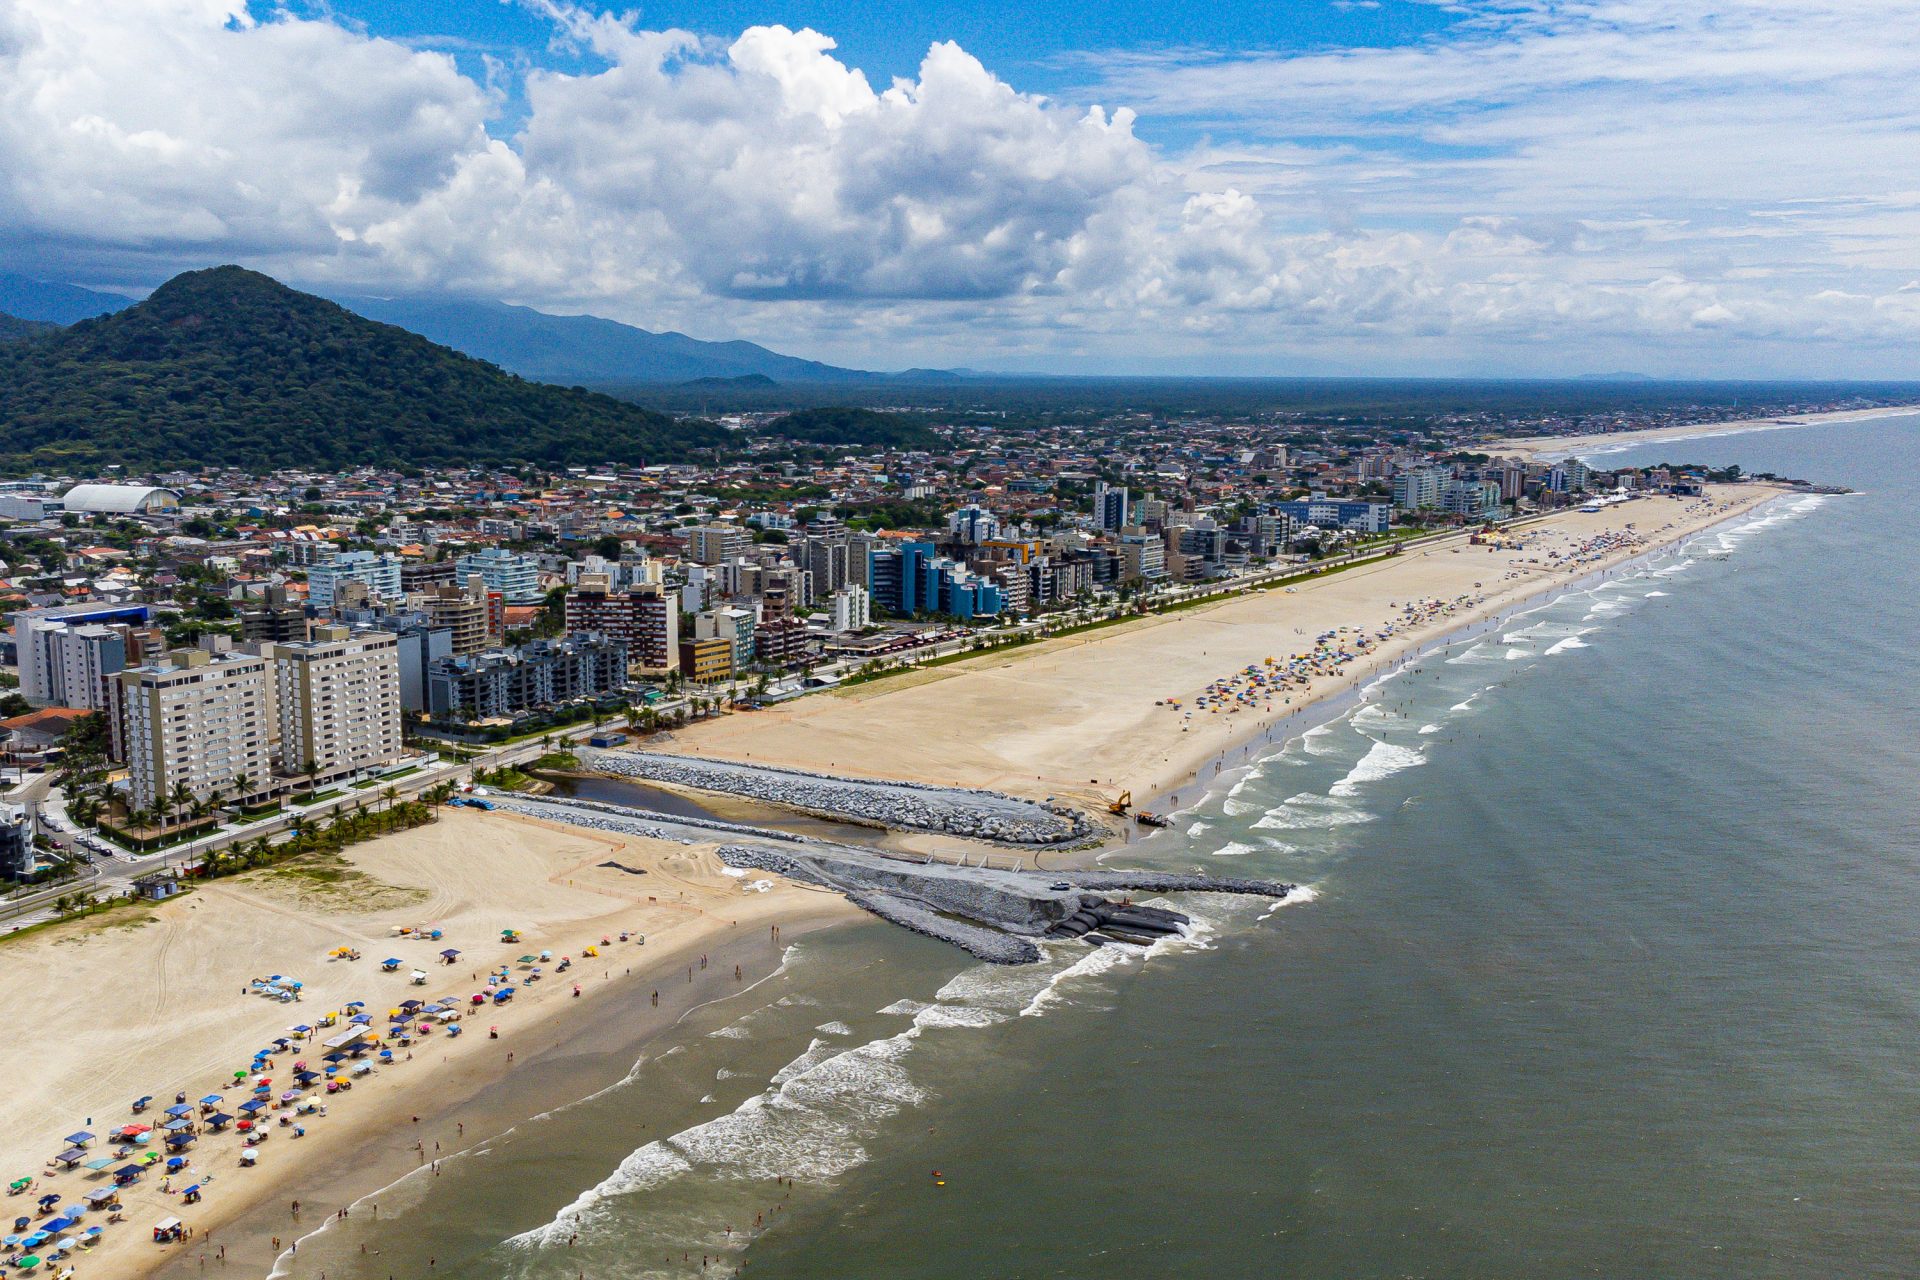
1608	967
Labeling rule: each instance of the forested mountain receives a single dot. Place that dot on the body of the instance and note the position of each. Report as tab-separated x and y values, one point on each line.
230	367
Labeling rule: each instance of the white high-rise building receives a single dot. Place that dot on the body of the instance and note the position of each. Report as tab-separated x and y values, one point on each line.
380	573
198	720
852	609
337	700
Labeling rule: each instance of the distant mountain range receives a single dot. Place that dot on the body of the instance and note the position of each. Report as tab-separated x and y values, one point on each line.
587	349
29	299
533	344
227	367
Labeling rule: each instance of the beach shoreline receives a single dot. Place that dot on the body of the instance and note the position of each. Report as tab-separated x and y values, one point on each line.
572	1057
1555	448
559	1061
1079	719
1236	758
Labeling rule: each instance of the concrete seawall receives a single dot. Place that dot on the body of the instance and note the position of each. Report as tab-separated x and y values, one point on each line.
996	914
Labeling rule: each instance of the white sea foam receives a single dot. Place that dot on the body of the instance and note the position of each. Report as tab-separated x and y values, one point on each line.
1514	655
1299	897
1233	849
1315	741
1571	642
834	1029
732	1031
1382	760
904	1008
1096	961
1651	595
1235	808
810	1123
1429	728
1309	811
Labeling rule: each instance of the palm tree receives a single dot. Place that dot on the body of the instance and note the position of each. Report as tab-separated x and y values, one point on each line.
181	798
390	795
312	770
242	786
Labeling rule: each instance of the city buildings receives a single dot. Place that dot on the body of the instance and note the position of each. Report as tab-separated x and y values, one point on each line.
1329	513
1418	488
67	654
506	682
380	574
515	577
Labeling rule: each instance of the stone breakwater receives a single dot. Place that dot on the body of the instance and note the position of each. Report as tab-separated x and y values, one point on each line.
996	914
968	812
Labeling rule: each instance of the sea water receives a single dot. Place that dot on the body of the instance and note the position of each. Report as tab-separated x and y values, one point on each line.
1608	964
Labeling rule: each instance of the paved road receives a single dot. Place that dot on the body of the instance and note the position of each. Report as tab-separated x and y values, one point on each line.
112	874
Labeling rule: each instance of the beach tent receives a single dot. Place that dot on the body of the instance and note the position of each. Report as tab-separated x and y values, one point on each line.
71	1157
252	1105
212	1100
79	1139
101	1164
219	1120
178	1126
99	1196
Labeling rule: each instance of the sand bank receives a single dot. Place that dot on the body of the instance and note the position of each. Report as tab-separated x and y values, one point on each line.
152	1003
1083	718
1548	448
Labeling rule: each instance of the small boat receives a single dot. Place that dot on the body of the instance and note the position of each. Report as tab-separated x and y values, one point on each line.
1146	819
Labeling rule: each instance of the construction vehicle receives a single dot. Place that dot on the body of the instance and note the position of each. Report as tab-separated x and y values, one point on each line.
1146	819
1120	804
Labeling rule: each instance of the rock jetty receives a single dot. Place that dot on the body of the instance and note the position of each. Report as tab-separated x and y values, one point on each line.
958	811
996	914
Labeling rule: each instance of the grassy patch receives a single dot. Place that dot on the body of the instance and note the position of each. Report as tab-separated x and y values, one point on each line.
329	881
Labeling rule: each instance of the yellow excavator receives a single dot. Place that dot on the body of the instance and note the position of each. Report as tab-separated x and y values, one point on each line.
1121	803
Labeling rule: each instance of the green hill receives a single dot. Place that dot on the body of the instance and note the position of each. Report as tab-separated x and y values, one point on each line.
230	367
13	327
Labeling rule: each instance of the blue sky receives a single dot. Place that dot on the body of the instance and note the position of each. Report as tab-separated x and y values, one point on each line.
1353	186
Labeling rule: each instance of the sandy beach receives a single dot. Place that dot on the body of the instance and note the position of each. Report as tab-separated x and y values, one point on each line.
1086	717
1080	717
1547	448
164	1012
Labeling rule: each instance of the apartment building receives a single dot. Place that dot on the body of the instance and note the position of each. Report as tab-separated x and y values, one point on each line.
68	655
338	702
645	618
380	574
540	674
199	720
465	612
516	578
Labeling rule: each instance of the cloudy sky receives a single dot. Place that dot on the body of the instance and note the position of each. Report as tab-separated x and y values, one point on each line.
1357	186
